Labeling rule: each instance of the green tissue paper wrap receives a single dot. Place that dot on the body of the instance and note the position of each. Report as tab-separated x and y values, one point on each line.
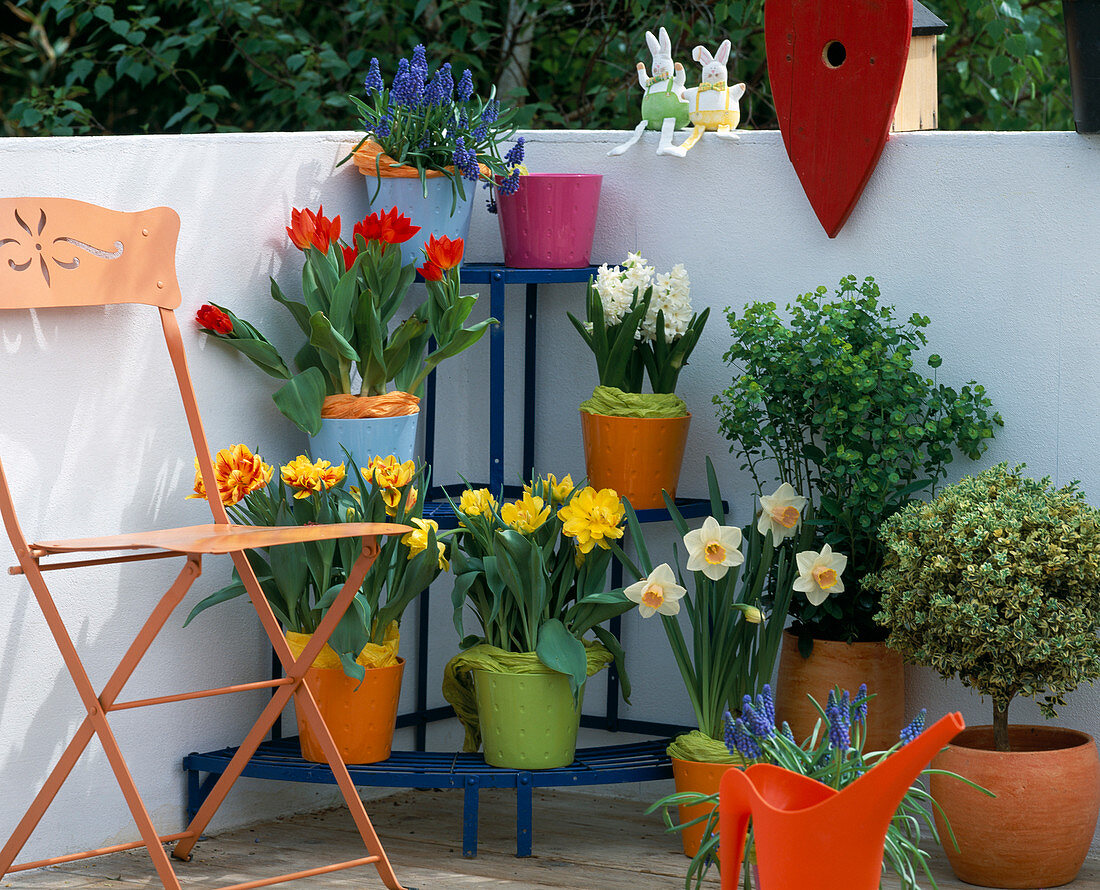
700	747
458	680
613	402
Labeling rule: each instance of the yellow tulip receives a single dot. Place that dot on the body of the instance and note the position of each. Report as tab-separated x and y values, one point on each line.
477	502
525	515
593	518
237	471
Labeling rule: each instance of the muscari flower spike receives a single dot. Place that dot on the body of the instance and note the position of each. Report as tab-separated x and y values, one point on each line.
861	704
405	91
490	112
743	742
514	157
466	86
838	716
442	86
914	728
509	185
373	82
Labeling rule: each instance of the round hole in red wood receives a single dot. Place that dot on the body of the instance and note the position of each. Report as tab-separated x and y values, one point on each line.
834	54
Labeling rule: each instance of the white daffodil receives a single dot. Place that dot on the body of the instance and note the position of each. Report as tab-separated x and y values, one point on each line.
781	512
713	549
819	574
657	593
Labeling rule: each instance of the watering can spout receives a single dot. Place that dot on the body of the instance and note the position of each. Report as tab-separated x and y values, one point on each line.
785	805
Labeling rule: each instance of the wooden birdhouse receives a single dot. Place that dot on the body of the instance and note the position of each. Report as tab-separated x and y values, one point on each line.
918	104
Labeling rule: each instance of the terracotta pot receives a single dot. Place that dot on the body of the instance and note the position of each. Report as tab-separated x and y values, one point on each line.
694	775
845	665
635	456
1037	830
360	716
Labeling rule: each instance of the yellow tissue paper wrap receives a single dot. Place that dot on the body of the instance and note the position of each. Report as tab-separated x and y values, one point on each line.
458	681
700	747
613	402
374	655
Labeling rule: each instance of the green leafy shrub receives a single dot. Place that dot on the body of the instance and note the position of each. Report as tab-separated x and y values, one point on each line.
101	66
831	402
997	582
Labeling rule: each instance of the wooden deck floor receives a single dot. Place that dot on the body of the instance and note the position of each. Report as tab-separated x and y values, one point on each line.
583	842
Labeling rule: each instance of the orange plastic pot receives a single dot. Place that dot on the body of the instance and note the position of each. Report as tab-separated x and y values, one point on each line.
845	665
635	456
1037	830
360	716
705	778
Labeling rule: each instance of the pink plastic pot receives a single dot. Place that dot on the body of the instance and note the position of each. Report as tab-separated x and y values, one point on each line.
550	221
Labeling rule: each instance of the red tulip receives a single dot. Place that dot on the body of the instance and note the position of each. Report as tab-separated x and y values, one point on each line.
350	253
213	319
443	252
396	228
309	229
430	272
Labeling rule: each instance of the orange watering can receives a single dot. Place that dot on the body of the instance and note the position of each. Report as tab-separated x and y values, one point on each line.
810	836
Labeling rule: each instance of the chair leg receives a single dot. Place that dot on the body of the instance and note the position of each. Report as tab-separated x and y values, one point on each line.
96	722
295	670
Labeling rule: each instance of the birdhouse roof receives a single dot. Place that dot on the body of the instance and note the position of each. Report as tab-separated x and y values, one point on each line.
925	21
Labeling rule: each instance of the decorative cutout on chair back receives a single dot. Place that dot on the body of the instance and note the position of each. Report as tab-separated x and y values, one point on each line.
60	252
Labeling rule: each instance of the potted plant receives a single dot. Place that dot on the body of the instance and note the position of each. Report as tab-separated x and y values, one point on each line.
532	571
356	679
831	402
428	143
340	391
734	640
639	323
997	582
833	755
547	220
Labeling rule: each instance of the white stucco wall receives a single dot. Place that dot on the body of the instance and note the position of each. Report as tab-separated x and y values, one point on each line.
992	235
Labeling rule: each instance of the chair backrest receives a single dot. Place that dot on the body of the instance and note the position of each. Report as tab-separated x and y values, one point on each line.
57	252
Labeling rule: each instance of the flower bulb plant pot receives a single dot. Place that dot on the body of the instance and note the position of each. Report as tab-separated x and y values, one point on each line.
366	436
1037	830
703	778
528	721
437	213
846	665
360	716
637	457
1082	20
550	221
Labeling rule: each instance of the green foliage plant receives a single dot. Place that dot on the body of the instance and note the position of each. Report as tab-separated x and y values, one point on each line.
996	581
734	641
301	580
831	401
534	573
81	67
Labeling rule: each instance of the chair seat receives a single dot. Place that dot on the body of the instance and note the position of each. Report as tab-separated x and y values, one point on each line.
222	538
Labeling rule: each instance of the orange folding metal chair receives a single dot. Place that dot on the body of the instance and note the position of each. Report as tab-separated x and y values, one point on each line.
57	253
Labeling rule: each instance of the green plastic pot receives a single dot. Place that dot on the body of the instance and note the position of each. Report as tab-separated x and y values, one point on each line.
528	721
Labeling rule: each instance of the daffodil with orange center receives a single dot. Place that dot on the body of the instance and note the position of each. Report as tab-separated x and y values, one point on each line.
713	549
593	518
819	574
237	471
657	593
781	512
527	514
308	478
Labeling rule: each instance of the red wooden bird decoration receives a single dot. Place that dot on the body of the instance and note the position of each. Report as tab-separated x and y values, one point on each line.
836	68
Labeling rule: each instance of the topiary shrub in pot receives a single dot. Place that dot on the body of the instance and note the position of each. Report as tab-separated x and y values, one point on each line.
997	582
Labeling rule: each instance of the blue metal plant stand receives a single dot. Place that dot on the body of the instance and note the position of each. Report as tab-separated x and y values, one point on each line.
280	758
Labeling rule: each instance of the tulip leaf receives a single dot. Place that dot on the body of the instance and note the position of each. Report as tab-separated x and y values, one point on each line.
263	355
612	644
341	309
560	651
300	400
300	311
326	338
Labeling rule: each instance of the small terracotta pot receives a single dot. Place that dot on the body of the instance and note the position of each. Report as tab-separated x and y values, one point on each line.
635	456
846	665
360	716
1037	830
694	775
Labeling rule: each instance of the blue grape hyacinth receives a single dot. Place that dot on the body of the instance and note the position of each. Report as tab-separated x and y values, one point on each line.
465	86
373	82
914	727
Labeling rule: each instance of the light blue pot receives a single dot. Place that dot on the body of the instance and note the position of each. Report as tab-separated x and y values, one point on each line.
365	438
432	214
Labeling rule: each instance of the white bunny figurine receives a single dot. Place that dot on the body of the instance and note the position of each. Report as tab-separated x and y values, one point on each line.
663	106
713	105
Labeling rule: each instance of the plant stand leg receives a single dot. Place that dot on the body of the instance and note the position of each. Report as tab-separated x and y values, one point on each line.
523	815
